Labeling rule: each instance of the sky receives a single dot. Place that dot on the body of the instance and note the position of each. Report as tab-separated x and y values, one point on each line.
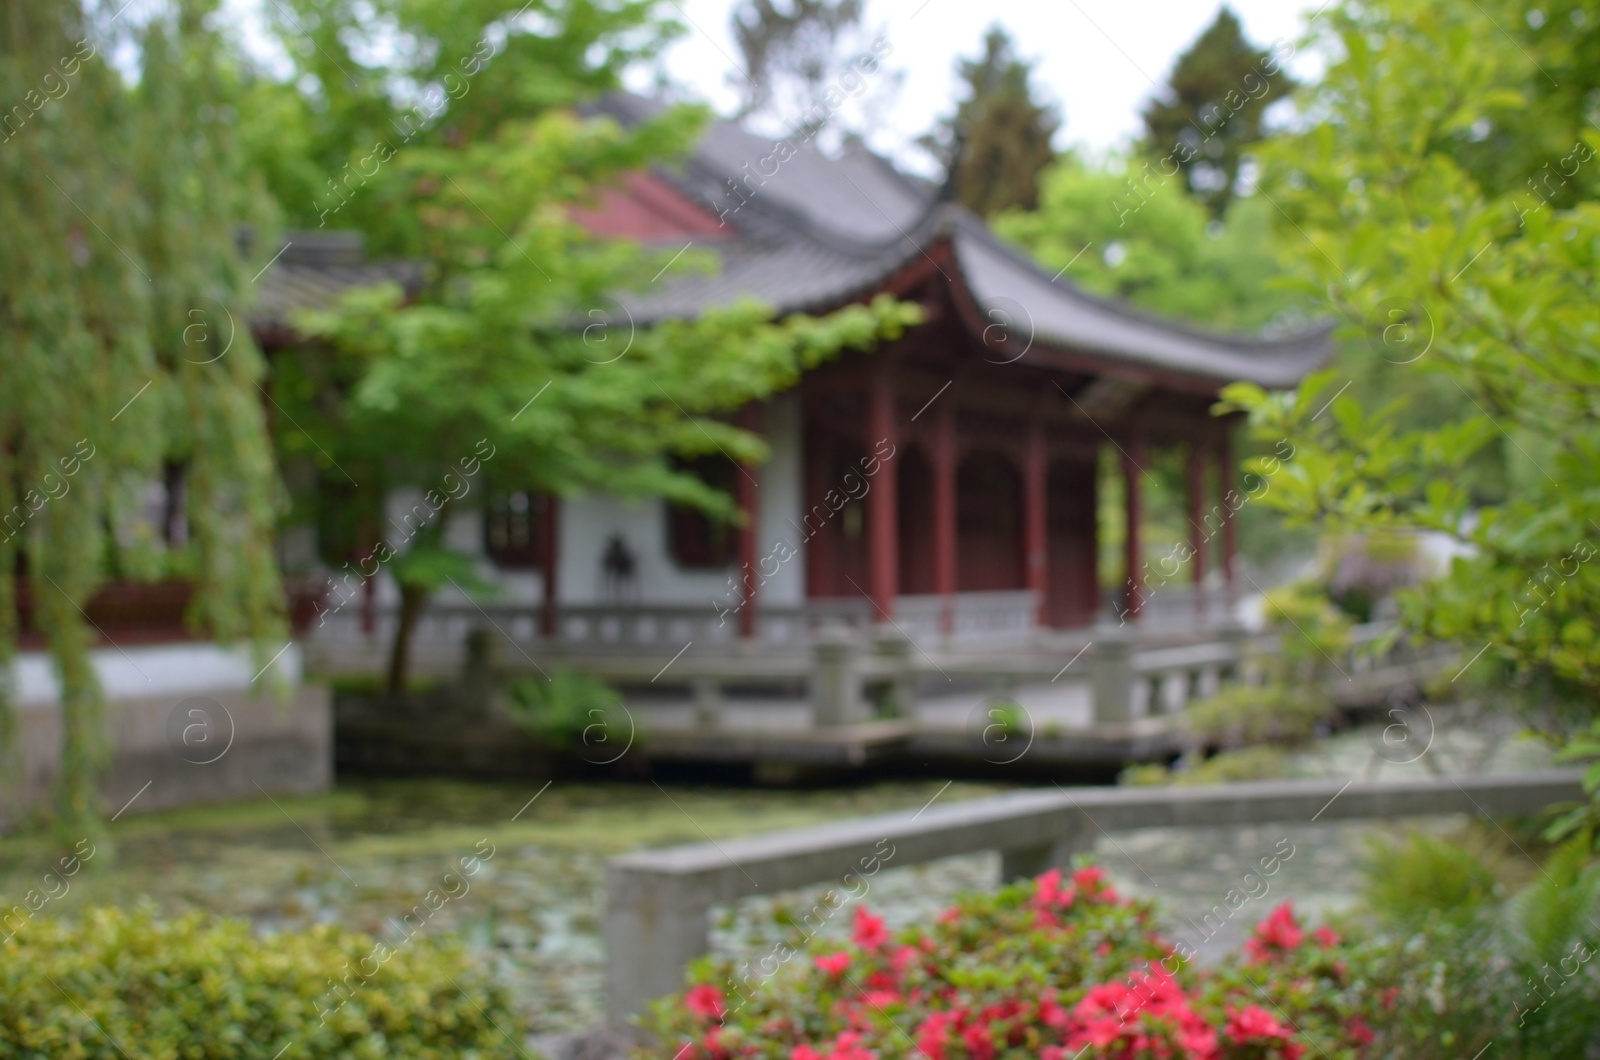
1099	60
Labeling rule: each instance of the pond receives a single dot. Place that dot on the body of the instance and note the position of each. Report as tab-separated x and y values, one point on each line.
370	850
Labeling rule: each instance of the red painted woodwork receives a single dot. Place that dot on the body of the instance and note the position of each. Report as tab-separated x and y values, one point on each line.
989	523
944	513
915	499
1197	531
1073	595
1035	518
1133	465
882	521
646	208
746	490
124	612
549	524
837	514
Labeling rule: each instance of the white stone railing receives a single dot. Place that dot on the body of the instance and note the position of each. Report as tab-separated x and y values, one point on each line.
658	901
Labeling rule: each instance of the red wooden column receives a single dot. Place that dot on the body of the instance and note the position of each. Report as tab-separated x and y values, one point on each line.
1133	463
749	503
883	517
1035	528
1197	531
549	521
1226	477
944	514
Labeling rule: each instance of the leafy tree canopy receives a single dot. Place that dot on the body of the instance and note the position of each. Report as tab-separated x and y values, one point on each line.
516	340
1123	232
795	52
1443	266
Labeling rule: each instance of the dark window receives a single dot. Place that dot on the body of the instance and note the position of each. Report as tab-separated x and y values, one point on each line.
695	539
512	528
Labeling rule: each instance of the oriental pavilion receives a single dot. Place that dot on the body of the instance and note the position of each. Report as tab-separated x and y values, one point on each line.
946	481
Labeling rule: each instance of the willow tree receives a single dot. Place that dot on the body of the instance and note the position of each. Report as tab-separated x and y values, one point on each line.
123	345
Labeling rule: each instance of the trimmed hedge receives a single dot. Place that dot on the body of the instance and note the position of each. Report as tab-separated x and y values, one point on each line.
112	984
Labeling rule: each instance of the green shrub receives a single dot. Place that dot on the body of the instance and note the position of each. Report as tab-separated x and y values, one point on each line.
1423	878
1251	763
1241	715
112	984
566	705
1466	968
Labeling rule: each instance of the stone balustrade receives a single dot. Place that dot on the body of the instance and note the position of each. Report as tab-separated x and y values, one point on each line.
658	901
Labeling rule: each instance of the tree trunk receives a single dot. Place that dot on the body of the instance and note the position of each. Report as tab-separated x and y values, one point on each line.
412	600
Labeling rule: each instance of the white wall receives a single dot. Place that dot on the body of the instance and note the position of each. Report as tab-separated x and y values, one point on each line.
588	523
782	492
154	670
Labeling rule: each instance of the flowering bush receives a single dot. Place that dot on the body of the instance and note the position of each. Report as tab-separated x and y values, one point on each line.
1059	968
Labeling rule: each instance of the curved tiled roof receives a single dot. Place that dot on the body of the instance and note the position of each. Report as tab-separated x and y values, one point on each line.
312	269
812	231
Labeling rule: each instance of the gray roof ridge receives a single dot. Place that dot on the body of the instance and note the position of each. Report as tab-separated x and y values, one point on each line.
958	217
791	219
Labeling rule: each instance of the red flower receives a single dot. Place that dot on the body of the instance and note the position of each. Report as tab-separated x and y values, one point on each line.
880	998
706	1001
1046	887
979	1041
931	1035
1358	1031
870	932
1326	936
1253	1022
846	1047
1390	996
1088	878
834	963
804	1052
1276	935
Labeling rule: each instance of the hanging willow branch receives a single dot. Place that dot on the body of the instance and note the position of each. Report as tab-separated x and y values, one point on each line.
119	210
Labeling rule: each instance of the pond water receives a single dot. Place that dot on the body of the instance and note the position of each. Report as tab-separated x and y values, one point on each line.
369	851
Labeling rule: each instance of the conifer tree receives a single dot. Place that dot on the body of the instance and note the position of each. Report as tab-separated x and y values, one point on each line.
1211	109
997	142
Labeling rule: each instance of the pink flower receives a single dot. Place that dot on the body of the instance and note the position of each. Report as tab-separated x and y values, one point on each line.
1326	936
1046	887
1253	1022
870	932
833	963
847	1047
1358	1031
979	1040
1276	935
706	1001
804	1052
